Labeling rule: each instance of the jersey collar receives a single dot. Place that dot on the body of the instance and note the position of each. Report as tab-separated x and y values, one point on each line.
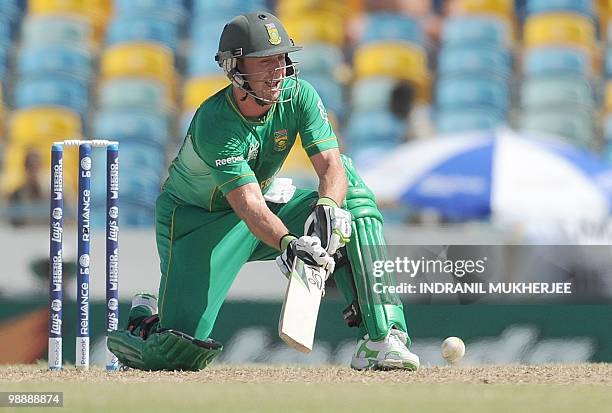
229	96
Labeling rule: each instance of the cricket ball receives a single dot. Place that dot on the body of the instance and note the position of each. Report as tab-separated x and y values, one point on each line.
453	349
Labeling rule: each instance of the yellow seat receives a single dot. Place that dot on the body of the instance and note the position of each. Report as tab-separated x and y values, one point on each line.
36	129
43	124
1	115
316	26
2	123
198	89
294	8
602	10
501	8
608	98
83	7
397	60
139	59
355	7
97	12
14	168
297	160
559	28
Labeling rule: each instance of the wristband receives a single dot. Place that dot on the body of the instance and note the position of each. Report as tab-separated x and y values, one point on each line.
286	240
324	200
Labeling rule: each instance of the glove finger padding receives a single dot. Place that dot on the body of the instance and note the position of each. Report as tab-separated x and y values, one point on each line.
331	225
309	250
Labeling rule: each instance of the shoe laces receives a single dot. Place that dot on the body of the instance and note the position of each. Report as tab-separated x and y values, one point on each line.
398	336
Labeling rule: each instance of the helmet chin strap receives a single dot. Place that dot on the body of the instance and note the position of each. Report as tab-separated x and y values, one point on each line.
248	91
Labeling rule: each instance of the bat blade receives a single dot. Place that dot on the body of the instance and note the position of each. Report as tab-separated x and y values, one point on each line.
298	318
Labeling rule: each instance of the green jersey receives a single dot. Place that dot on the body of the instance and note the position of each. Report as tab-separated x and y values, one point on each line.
224	150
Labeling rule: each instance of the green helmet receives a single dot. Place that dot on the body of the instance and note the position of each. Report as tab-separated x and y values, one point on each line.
257	34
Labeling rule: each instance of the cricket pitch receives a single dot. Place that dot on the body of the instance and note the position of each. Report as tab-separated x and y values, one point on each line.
257	388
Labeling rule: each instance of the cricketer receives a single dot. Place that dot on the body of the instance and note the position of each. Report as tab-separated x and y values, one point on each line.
222	206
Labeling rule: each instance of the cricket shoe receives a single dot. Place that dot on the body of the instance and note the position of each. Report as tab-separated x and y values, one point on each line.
149	301
387	354
143	314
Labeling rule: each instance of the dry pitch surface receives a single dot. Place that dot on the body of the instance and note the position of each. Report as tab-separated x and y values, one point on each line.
256	388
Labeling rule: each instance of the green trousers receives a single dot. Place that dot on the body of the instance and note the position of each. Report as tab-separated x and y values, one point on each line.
201	253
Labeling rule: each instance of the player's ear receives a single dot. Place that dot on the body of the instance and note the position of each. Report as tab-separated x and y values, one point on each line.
240	64
289	63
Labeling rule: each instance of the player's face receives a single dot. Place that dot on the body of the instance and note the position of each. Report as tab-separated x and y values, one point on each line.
265	75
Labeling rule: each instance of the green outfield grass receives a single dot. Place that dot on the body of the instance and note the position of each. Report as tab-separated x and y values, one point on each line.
310	397
287	389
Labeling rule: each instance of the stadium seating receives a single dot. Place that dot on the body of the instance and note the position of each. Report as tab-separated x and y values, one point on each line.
13	170
156	66
96	12
400	61
199	89
380	27
132	125
6	32
205	32
559	29
53	59
139	155
94	8
542	61
330	91
499	8
138	59
12	10
584	7
143	28
608	98
371	134
463	120
31	125
139	181
574	125
316	27
291	9
171	9
472	92
607	135
476	31
319	58
135	214
227	7
36	129
372	93
64	91
551	91
475	67
134	93
4	59
608	64
373	126
56	29
474	60
2	114
185	121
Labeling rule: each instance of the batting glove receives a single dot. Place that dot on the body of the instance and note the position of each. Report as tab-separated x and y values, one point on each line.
306	248
332	225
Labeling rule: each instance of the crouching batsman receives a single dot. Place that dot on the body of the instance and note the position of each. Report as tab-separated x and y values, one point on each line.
222	207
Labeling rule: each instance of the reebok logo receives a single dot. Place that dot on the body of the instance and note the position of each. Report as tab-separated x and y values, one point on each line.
230	160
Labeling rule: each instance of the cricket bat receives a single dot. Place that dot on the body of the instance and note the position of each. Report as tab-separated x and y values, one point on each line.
298	318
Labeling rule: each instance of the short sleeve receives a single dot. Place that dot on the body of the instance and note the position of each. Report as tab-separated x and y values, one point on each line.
314	128
225	157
